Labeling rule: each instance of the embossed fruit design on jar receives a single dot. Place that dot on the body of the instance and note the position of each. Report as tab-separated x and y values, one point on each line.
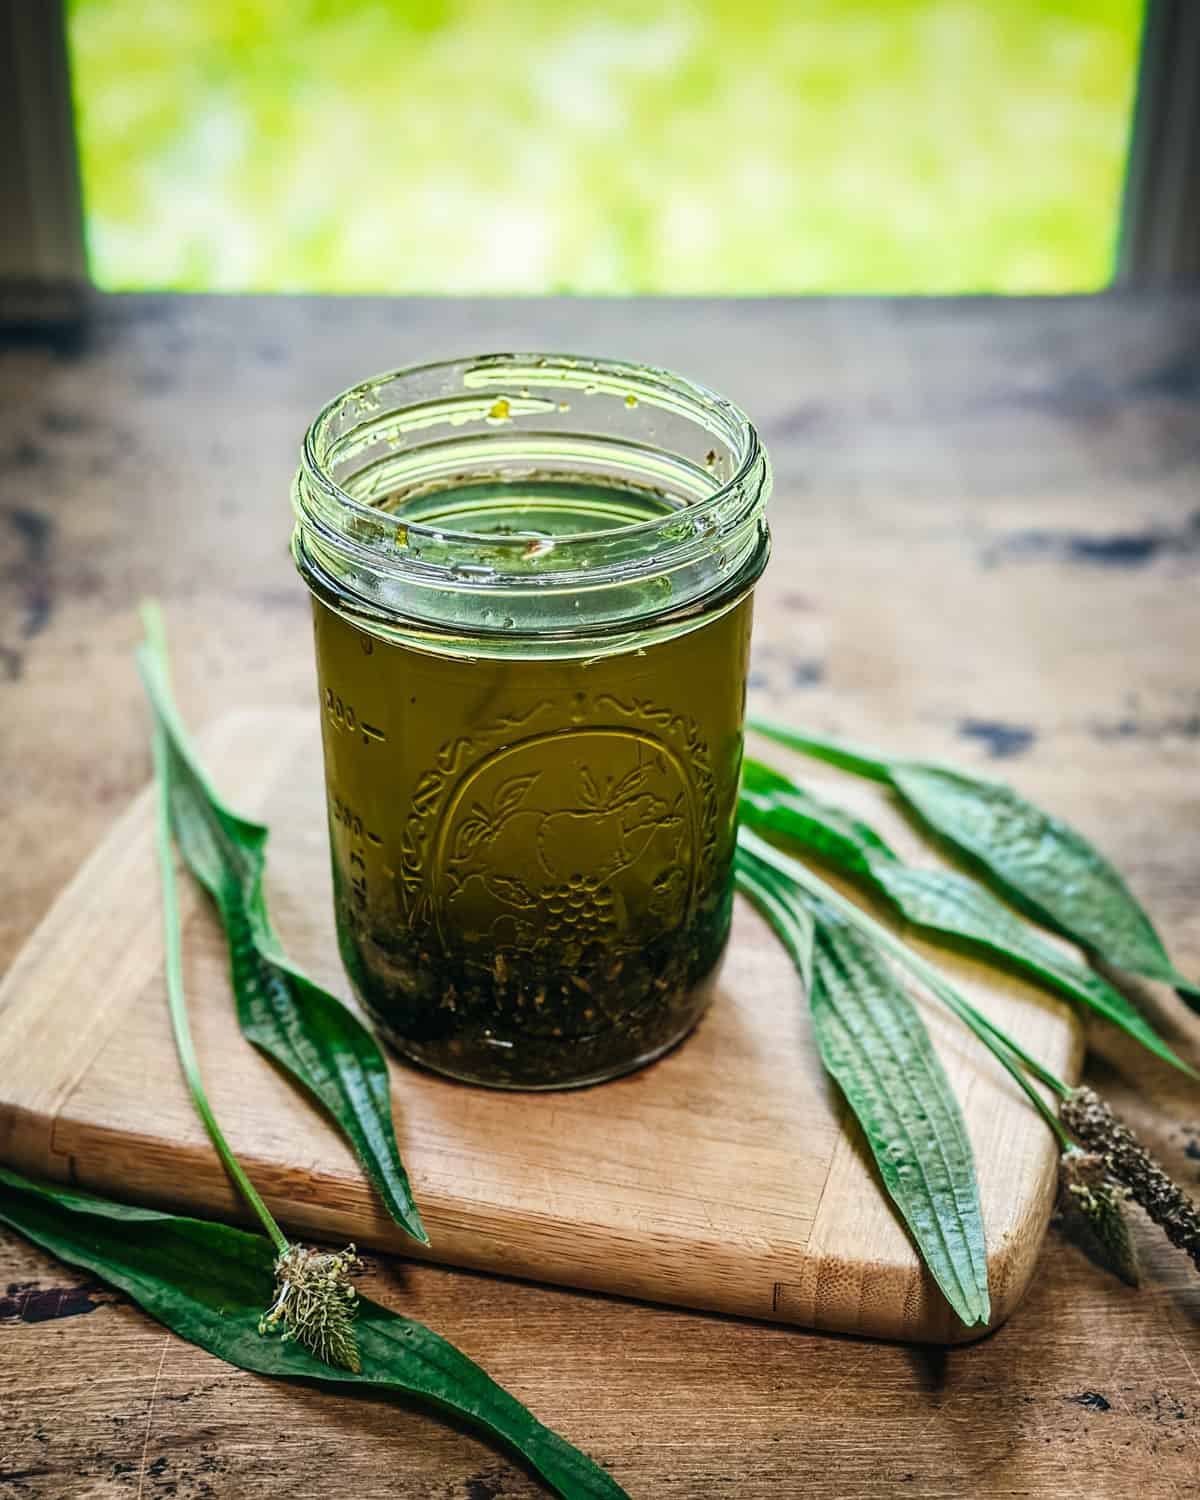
531	583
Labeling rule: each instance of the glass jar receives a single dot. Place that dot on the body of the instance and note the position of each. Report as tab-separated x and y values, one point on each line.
531	581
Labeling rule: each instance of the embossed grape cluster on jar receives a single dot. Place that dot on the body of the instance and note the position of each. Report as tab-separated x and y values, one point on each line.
578	915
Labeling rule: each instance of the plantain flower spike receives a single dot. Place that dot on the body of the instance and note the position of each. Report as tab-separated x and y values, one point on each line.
316	1302
1091	1201
1093	1124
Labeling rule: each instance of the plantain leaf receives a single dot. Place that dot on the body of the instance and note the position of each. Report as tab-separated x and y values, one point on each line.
943	902
208	1283
785	808
1043	864
874	1044
306	1030
948	903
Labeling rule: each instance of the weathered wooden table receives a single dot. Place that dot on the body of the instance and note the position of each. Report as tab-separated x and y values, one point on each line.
987	547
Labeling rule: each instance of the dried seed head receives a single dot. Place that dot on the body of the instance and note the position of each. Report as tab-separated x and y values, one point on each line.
315	1301
1092	1205
1090	1120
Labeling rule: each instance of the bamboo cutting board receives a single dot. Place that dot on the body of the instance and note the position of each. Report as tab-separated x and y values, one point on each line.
724	1177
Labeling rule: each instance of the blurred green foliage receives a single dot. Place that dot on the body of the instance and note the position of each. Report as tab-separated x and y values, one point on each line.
700	146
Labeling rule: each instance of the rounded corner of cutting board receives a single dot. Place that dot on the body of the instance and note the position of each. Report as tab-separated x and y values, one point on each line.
900	1301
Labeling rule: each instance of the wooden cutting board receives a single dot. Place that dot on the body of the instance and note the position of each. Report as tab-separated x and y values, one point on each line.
725	1176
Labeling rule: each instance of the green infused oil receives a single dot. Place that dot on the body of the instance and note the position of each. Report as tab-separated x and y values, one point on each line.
532	849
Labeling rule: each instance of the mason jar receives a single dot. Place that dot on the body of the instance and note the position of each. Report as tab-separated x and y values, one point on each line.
531	580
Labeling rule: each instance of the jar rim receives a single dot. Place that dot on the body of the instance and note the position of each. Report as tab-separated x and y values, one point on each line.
412	434
705	400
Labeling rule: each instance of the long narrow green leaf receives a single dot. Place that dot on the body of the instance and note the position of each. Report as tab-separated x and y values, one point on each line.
1021	1066
1042	863
875	1045
942	902
843	840
309	1032
208	1283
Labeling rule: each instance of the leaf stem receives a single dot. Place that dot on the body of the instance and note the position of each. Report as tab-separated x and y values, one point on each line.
793	924
172	947
856	758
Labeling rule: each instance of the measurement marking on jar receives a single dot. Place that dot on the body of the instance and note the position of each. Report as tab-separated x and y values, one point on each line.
357	861
342	715
352	822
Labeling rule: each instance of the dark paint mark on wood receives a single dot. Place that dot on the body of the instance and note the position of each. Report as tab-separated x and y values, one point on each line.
486	1485
1192	1151
797	420
28	455
29	574
67	342
1088	394
807	673
34	1304
774	669
1178	379
154	382
1002	741
1126	550
61	420
1117	549
34	530
1093	1400
38	612
1186	727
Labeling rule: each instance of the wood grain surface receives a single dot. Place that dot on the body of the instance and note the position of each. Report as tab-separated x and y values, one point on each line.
987	547
725	1177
